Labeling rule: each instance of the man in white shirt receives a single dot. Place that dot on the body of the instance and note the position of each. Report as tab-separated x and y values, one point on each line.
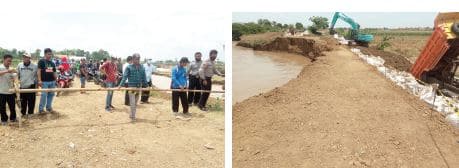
7	74
125	65
149	70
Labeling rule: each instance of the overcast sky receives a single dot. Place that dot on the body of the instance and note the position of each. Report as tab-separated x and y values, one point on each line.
365	19
159	35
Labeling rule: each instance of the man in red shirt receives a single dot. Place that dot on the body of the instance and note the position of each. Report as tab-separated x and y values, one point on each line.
111	72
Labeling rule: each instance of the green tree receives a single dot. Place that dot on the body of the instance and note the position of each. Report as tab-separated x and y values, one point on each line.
384	42
318	23
99	55
299	26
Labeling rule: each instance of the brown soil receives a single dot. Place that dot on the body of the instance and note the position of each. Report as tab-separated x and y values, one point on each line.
82	134
340	112
309	46
396	61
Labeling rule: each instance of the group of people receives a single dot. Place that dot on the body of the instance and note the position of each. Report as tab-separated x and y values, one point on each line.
30	75
197	76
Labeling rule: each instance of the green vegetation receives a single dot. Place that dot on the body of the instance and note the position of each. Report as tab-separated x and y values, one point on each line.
384	42
262	26
318	23
95	55
398	32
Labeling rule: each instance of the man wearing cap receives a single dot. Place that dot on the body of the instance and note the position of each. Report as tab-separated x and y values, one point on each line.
135	76
27	73
194	84
7	74
179	81
149	70
111	71
46	76
206	72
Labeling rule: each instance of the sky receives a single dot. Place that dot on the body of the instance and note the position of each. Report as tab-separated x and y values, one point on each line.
158	35
365	19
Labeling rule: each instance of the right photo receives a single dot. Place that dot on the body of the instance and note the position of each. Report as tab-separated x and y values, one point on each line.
345	89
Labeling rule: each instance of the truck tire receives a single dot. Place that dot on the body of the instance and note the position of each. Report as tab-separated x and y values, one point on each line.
455	28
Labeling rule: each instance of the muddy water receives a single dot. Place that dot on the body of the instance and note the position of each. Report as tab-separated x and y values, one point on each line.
163	82
255	72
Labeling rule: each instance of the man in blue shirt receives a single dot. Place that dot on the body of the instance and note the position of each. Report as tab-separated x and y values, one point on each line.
179	81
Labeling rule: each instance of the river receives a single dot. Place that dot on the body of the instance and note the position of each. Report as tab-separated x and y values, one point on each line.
255	72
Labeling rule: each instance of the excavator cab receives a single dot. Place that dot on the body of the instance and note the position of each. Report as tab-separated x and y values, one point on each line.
438	61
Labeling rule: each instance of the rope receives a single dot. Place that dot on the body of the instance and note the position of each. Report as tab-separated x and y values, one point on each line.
109	89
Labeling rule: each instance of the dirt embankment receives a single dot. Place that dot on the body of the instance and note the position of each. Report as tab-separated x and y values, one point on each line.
396	61
309	46
340	112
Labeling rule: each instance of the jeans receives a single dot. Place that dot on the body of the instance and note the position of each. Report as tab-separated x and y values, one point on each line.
82	80
108	100
47	97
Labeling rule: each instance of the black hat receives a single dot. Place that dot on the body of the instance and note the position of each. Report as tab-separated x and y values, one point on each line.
184	60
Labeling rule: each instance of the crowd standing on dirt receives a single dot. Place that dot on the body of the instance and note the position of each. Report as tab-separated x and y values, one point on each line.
110	72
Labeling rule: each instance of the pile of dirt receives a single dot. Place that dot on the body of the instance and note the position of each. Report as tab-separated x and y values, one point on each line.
391	59
310	47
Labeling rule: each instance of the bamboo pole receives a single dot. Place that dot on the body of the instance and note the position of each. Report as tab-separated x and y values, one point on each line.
107	89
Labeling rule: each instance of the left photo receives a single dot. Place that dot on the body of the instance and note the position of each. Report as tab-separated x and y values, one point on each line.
112	89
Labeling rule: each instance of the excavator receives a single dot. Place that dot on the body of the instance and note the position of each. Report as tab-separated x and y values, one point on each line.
355	36
438	62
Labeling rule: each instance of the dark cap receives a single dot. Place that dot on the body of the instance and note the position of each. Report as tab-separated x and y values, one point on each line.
184	60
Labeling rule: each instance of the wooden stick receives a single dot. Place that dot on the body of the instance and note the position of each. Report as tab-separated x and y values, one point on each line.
108	89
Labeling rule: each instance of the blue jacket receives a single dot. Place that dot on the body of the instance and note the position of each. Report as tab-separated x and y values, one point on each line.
135	76
178	77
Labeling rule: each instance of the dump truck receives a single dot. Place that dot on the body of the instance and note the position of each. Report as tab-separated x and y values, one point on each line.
438	62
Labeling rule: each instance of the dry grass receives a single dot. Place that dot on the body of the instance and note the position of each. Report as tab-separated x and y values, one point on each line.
409	46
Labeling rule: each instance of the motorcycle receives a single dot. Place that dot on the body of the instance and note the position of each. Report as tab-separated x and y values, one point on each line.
64	81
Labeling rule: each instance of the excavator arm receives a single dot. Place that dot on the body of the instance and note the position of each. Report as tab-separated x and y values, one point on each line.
355	27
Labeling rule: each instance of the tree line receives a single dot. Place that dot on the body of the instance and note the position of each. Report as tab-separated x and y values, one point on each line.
95	55
265	25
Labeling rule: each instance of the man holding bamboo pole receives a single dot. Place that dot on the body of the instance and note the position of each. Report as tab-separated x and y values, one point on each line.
27	73
135	76
206	72
6	82
178	76
47	80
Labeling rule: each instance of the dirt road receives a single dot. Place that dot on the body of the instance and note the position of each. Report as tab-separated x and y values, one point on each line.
82	134
340	112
